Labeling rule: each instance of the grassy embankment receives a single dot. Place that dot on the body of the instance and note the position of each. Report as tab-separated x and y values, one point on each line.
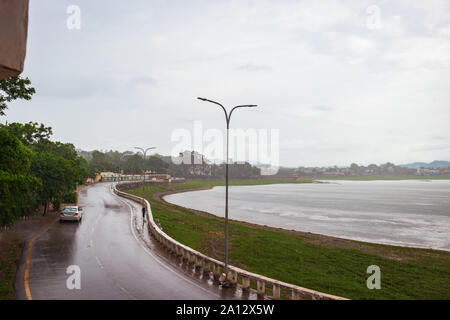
9	254
322	263
372	178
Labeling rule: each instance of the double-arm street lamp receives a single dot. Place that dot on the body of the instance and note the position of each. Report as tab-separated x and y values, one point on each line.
227	118
144	153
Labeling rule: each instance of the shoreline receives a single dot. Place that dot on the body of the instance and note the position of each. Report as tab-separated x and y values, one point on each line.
326	238
323	263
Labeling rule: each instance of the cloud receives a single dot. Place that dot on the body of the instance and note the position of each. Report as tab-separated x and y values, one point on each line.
73	86
323	108
438	137
314	68
254	67
143	81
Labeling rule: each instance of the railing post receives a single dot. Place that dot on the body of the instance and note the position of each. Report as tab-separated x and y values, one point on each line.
184	254
216	271
204	265
198	263
276	292
207	268
245	283
232	276
192	256
261	286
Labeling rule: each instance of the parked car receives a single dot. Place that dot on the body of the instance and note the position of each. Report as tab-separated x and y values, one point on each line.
71	213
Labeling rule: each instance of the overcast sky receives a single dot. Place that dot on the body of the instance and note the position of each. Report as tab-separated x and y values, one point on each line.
340	84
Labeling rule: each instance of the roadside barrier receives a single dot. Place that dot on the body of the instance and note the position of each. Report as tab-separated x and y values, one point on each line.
236	275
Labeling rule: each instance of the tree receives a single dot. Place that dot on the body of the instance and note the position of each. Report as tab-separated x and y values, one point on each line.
19	190
31	133
59	177
27	149
133	164
355	169
14	156
99	163
14	88
156	164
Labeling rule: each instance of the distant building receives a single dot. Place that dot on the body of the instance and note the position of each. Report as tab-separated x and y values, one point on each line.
157	177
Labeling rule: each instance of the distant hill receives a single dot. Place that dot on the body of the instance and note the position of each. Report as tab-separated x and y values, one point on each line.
434	164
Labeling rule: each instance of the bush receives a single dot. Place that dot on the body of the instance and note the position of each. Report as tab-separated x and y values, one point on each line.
70	198
18	194
56	203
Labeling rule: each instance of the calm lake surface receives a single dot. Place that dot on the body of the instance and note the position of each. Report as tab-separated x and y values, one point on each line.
409	213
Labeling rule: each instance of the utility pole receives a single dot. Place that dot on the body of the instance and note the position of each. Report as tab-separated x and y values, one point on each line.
144	153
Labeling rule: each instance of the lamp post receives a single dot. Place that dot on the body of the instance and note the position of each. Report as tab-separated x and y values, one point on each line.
144	152
227	118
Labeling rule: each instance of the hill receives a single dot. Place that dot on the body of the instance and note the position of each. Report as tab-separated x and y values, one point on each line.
434	164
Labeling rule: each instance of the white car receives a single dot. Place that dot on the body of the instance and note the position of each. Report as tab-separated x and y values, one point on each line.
71	213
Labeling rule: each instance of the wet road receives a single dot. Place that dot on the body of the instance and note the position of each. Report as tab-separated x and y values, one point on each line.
116	258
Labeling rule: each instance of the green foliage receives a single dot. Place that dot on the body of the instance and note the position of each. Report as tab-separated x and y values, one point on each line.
71	197
14	88
14	156
130	163
30	133
35	170
56	203
10	252
133	164
19	194
156	164
58	175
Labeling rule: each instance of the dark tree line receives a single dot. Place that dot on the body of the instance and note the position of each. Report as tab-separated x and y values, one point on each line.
134	163
36	171
215	171
128	162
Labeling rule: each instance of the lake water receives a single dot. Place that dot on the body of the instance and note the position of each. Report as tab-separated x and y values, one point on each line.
409	213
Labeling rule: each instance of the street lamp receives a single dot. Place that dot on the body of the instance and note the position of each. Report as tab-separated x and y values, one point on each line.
227	118
144	152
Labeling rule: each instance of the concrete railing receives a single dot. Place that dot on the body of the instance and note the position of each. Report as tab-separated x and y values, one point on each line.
236	275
